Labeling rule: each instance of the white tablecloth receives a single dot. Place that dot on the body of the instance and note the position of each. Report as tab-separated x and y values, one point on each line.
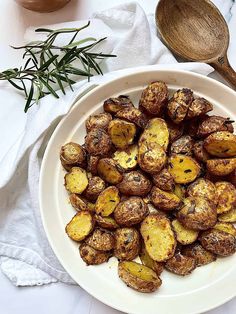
58	298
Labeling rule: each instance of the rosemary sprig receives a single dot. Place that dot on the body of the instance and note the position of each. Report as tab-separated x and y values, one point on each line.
48	65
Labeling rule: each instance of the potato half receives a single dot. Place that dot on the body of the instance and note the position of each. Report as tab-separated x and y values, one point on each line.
113	105
76	181
122	133
134	183
164	180
202	188
214	124
107	201
108	170
100	121
80	226
95	186
72	154
127	243
181	265
221	144
106	222
184	235
221	167
226	227
183	145
197	251
199	151
164	200
229	216
133	115
147	261
198	107
98	142
80	203
226	196
101	240
91	256
127	159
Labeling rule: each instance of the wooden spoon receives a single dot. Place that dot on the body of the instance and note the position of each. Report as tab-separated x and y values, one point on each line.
196	31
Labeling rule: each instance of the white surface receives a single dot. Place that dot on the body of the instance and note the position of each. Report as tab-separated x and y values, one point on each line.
61	298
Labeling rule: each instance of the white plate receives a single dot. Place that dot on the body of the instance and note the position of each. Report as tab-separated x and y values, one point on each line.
208	286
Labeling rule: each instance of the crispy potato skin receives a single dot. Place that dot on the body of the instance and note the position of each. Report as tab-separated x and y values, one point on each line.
72	155
181	265
175	130
229	216
127	159
218	242
122	133
221	167
154	98
99	121
113	105
130	212
91	256
97	142
232	177
101	240
197	213
199	151
164	180
180	191
127	243
183	145
184	235
138	277
106	222
107	201
92	163
221	144
107	169
134	183
80	226
202	188
198	107
95	186
214	124
80	203
226	196
147	261
76	181
164	200
133	115
202	256
226	227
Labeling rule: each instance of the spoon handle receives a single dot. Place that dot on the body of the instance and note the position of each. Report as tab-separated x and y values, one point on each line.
223	66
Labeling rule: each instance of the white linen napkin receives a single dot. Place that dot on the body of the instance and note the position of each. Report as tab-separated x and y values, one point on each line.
25	254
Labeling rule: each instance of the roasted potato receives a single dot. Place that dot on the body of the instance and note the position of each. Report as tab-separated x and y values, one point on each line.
178	105
201	256
214	124
108	170
127	243
95	186
226	227
221	144
198	107
101	240
226	196
133	115
122	133
158	236
138	277
164	180
221	167
197	213
218	242
202	188
155	131
127	159
175	130
92	164
229	216
113	105
130	212
71	155
147	261
76	181
80	226
106	222
180	264
99	121
184	235
98	142
91	256
199	151
107	201
134	183
151	157
183	145
180	191
80	203
184	169
232	177
154	98
164	200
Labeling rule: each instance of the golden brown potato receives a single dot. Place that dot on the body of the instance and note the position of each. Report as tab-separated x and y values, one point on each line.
92	163
80	203
98	142
180	264
180	191
164	200
91	256
226	196
127	243
164	180
133	115
147	261
106	222
158	236
214	124
199	151
99	121
226	227
138	277
151	157
134	183
184	169
183	145
122	133
179	104
95	186
197	213
71	155
175	130
155	131
130	211
127	159
201	256
113	105
107	201
80	226
198	107
108	170
202	188
76	181
221	144
154	98
221	167
218	242
101	240
184	235
229	216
